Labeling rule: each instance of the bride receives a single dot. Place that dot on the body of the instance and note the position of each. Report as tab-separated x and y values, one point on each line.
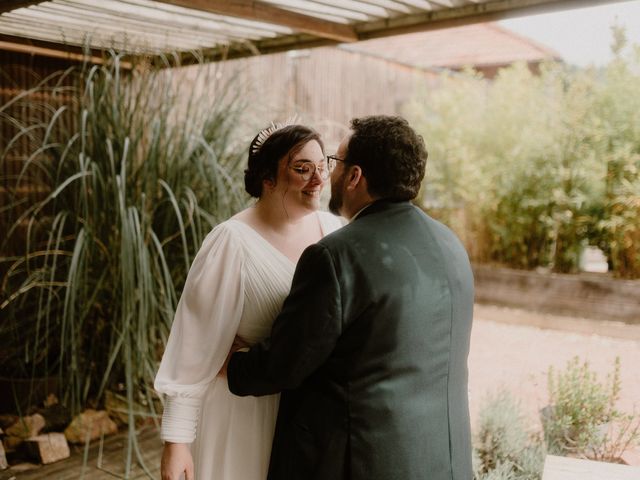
236	286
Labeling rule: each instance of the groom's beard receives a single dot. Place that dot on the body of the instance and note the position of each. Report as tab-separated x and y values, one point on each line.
337	188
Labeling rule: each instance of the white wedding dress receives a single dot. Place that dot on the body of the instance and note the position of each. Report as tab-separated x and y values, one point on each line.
236	285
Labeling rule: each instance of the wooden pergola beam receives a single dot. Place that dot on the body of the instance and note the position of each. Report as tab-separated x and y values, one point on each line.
8	5
305	37
492	11
50	49
264	12
425	21
245	49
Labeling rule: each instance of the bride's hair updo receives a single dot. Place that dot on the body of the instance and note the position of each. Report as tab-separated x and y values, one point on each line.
264	159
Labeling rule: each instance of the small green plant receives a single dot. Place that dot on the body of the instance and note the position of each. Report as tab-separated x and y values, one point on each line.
503	448
502	471
582	418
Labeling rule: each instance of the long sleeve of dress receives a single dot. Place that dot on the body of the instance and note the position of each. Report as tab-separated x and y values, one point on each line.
203	330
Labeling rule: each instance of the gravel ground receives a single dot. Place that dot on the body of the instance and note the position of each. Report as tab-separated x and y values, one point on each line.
508	352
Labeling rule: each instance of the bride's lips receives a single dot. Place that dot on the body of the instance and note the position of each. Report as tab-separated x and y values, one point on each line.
311	193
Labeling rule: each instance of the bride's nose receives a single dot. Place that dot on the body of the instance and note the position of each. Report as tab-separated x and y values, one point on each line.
316	178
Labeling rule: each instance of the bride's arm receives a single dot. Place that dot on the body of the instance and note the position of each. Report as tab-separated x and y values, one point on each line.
203	330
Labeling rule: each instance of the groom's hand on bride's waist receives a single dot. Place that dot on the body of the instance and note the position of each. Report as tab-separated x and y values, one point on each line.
238	344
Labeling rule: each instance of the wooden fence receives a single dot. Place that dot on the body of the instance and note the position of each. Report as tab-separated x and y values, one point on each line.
24	120
326	87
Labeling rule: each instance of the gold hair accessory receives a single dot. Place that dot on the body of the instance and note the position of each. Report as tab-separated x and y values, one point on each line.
267	132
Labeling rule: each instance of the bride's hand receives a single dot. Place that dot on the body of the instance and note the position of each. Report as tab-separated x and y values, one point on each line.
176	460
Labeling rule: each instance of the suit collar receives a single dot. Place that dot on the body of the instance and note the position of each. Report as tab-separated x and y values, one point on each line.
380	206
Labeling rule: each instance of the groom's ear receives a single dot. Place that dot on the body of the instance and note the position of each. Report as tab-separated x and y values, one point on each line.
355	177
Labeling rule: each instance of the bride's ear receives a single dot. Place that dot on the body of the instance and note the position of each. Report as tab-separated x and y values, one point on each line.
268	184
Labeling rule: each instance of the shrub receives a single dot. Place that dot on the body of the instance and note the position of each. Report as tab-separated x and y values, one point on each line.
528	169
582	418
503	449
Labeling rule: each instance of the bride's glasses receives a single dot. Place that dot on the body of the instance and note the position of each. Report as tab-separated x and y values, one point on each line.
307	170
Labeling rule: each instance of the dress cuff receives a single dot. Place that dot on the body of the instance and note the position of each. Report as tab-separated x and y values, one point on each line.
180	419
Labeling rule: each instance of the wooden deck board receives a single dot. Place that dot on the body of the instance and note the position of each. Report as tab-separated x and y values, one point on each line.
114	451
563	468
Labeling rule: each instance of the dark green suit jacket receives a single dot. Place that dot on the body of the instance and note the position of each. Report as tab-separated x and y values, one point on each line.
370	354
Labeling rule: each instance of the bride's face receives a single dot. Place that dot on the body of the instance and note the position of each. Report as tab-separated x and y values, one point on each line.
300	179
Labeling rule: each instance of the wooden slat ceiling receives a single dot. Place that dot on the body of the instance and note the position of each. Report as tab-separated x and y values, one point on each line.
233	28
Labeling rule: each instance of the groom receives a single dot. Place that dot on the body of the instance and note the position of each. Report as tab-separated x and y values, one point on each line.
370	349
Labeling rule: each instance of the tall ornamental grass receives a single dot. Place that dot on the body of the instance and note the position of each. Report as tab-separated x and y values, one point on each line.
529	169
136	167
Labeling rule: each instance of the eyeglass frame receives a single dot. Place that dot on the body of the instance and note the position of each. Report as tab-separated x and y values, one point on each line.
332	162
324	173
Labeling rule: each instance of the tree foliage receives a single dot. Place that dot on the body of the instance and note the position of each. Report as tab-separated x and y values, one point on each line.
529	169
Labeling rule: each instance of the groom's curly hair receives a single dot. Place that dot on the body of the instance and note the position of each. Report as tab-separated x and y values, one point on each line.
391	154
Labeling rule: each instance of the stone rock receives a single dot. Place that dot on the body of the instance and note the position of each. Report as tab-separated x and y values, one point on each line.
48	448
3	458
56	418
50	400
27	427
89	425
6	420
116	406
11	443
